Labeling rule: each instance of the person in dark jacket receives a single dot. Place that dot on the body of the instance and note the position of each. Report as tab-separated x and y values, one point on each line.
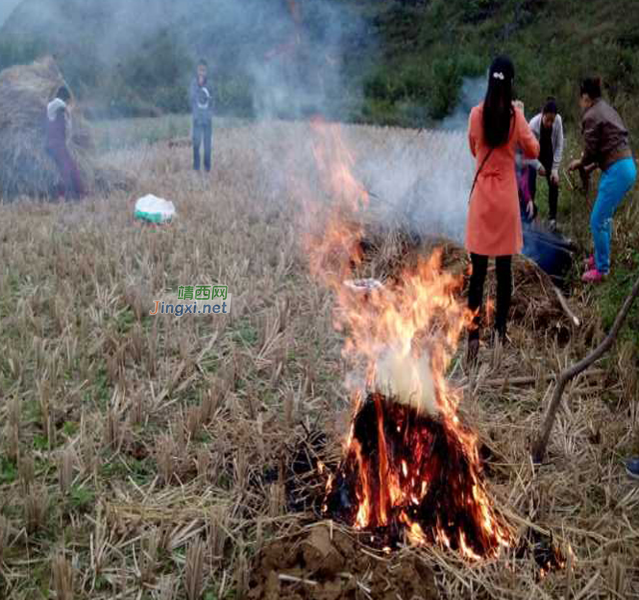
58	125
607	146
201	100
548	129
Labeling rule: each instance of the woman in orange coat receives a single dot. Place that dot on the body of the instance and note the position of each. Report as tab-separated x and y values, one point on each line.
497	127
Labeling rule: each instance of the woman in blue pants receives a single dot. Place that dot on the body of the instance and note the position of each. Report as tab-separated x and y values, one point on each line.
607	146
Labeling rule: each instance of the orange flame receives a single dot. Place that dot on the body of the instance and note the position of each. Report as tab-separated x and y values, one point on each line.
415	319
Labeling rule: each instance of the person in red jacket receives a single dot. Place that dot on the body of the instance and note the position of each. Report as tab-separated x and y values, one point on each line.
58	123
497	128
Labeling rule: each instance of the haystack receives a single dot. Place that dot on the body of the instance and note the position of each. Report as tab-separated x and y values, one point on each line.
25	166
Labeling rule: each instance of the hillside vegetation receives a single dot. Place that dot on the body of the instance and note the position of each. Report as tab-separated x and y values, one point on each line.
391	61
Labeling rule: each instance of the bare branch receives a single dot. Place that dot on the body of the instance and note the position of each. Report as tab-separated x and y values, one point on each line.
541	443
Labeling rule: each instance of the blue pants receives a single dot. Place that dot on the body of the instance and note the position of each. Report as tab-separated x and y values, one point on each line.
615	183
202	133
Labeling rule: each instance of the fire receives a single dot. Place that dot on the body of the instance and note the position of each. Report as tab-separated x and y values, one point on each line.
410	467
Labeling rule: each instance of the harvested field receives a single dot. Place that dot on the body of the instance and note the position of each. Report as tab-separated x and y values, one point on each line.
162	457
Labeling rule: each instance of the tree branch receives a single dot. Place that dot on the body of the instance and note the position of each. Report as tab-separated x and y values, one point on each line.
541	443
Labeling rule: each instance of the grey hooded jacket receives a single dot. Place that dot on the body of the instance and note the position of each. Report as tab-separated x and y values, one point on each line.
557	138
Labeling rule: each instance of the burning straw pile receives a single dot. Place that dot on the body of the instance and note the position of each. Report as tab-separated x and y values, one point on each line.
25	166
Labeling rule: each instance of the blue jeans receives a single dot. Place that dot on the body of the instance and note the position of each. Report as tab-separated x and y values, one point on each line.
202	133
615	183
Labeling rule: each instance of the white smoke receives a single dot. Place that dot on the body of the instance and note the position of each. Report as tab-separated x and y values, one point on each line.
422	185
6	8
407	379
472	93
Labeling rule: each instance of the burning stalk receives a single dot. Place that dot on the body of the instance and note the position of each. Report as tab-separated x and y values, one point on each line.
410	469
411	472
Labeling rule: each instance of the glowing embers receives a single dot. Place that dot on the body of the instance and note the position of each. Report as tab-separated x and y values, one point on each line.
409	477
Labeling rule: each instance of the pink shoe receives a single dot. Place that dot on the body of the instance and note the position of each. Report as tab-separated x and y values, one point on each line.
589	263
593	276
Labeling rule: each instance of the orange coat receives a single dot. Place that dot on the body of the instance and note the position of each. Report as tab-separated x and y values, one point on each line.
494	219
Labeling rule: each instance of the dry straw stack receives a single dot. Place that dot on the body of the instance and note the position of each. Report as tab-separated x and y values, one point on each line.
25	166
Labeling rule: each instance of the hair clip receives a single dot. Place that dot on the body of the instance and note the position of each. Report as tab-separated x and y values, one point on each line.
499	76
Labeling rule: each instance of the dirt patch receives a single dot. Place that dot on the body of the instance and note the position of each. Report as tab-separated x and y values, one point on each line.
323	565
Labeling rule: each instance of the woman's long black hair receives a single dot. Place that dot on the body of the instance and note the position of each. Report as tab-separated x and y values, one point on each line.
498	105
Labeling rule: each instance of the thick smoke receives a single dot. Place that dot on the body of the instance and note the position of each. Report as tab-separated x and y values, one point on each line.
6	8
472	93
422	184
293	57
301	72
285	57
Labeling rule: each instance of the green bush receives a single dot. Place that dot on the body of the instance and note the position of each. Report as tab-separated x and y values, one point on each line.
447	81
172	99
476	11
611	296
233	96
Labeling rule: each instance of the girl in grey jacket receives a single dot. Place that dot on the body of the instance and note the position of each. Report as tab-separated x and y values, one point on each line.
548	129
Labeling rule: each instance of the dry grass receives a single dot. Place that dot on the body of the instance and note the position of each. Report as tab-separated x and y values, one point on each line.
156	451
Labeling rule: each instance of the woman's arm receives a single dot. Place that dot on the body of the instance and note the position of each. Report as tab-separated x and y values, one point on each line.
193	95
472	137
535	125
559	147
592	138
591	130
533	163
63	122
525	137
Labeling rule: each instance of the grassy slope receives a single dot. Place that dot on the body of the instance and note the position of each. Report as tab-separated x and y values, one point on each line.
552	44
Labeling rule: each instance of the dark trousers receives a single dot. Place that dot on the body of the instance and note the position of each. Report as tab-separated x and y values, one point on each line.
72	186
476	292
202	133
553	190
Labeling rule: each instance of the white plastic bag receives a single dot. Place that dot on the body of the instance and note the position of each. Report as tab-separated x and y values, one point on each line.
154	210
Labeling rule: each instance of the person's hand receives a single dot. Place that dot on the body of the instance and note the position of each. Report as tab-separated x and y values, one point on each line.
574	164
542	171
554	176
518	104
530	209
